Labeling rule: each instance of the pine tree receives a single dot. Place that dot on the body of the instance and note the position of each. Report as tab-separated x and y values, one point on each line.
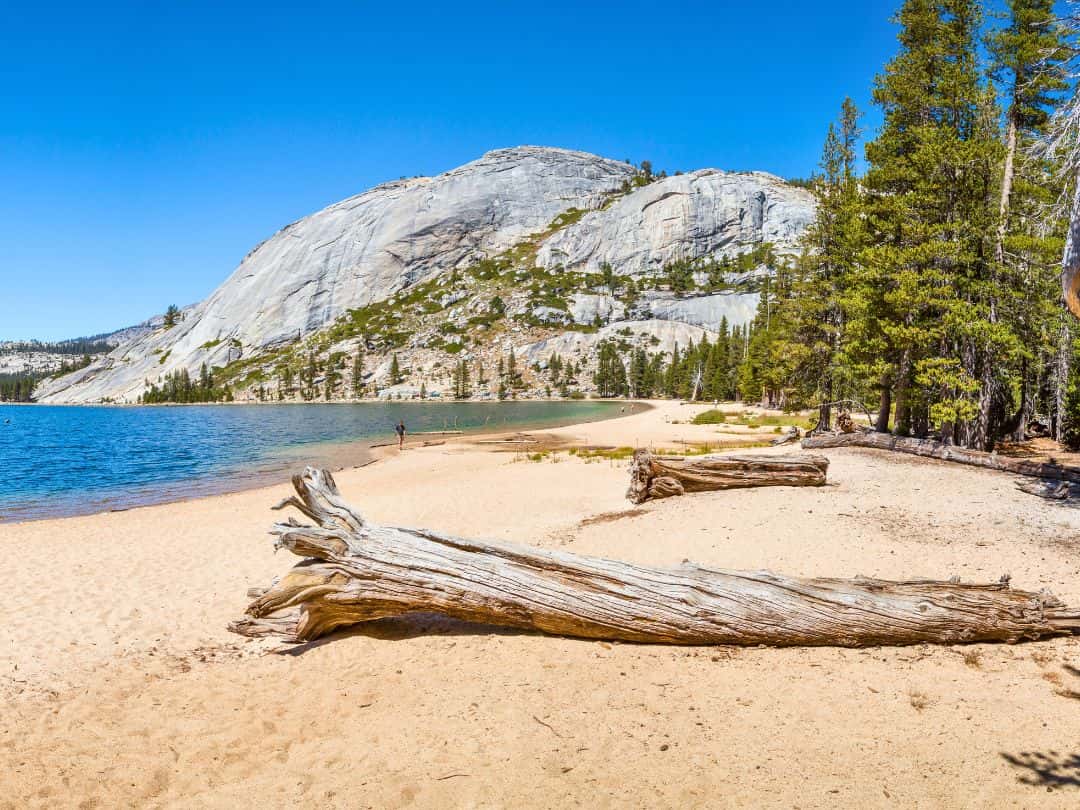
1029	62
607	273
805	335
639	373
460	381
512	375
671	374
920	296
396	377
309	380
1029	56
358	374
610	377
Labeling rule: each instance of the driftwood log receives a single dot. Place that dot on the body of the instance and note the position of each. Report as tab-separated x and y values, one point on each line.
663	476
793	435
1051	490
930	448
354	571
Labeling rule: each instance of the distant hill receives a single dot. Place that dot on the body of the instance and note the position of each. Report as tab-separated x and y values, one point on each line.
525	249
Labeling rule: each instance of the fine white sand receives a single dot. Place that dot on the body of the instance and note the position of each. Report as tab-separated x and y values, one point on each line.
122	688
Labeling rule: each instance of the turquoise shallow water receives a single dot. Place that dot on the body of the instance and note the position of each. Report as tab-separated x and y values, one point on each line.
77	460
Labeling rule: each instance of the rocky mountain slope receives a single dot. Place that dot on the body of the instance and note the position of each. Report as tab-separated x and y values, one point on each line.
509	251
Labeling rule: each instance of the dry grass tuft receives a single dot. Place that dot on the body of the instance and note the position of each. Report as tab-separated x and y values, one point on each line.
918	700
973	658
1043	656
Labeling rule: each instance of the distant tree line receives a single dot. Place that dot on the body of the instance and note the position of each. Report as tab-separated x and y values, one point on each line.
707	370
18	387
178	387
76	346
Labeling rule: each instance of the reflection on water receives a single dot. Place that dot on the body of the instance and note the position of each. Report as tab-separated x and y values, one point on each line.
57	460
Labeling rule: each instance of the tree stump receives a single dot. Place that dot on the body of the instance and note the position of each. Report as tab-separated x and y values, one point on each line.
663	476
845	423
354	571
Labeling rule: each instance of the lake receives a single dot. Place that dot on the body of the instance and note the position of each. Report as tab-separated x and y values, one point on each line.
59	460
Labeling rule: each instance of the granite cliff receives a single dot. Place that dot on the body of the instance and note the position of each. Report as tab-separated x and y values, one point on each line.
506	251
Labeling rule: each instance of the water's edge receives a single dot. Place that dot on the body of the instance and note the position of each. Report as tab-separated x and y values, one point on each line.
334	455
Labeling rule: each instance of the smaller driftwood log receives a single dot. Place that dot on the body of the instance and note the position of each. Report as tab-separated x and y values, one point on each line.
1051	490
355	571
663	476
929	448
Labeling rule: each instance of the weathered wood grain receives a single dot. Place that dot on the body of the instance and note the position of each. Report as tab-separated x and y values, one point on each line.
663	476
354	571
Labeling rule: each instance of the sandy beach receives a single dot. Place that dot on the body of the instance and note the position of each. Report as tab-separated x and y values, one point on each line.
122	687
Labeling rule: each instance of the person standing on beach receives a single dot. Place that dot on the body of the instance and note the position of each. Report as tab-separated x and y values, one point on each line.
400	429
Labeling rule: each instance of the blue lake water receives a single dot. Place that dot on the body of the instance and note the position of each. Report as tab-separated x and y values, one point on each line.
58	460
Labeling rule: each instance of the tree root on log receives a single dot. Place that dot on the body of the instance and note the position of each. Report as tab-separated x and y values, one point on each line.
793	435
355	571
930	448
663	476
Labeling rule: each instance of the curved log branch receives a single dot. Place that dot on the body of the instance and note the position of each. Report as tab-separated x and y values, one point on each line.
929	448
355	571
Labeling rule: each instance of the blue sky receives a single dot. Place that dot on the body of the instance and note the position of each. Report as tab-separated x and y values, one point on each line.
146	147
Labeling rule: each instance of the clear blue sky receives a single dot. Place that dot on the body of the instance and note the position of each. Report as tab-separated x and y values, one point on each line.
146	147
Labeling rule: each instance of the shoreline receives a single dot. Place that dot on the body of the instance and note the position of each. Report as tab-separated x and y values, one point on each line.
360	452
123	687
363	401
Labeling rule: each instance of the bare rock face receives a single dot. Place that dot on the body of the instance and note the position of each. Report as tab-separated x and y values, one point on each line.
709	311
653	335
368	247
365	249
586	307
687	216
358	251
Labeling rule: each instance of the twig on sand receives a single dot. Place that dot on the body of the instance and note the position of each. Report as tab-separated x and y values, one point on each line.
545	725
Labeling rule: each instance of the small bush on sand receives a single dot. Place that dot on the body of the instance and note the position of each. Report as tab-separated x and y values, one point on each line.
712	416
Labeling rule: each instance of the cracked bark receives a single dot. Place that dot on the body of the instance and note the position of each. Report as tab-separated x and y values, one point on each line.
354	571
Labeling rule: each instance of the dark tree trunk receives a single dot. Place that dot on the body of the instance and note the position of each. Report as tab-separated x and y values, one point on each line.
902	426
884	406
920	420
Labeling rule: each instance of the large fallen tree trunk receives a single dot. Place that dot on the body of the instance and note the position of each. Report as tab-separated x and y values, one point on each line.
663	476
354	571
930	448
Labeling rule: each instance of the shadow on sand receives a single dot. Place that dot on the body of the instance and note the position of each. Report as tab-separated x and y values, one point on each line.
401	628
1050	769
